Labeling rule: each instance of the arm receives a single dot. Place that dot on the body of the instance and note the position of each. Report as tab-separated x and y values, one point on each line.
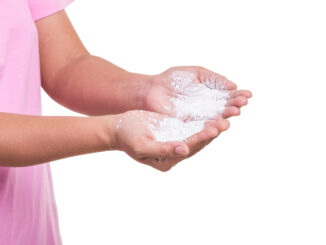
94	86
80	81
30	140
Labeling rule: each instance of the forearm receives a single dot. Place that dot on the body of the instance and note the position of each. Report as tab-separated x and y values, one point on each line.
31	140
94	86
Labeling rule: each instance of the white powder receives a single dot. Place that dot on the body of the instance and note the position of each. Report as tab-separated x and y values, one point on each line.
194	99
173	129
194	103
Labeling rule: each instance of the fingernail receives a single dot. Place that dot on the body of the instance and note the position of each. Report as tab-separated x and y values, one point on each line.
181	150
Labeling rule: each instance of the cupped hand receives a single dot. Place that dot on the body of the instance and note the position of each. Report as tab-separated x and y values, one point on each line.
160	93
133	136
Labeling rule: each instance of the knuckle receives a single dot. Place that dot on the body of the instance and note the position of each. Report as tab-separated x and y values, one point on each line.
137	150
244	100
164	151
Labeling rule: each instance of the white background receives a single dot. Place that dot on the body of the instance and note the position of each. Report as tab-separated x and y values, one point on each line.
261	182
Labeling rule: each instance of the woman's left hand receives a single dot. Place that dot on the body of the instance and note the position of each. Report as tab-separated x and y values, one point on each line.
159	95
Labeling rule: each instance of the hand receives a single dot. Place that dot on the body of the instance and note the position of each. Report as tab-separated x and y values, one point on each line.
160	92
132	136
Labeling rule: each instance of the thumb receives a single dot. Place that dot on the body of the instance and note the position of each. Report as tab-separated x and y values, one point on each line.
154	148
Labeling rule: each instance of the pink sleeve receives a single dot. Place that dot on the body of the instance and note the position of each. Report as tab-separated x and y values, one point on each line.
43	8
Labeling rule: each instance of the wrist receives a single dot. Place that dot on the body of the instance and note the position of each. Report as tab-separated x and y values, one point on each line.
107	131
140	90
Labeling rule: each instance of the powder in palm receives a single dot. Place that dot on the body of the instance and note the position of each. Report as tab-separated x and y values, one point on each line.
194	99
194	103
173	129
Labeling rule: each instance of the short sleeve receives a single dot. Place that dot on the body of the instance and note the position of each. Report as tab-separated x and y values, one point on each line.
43	8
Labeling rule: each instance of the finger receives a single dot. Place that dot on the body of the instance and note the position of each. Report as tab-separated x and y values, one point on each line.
215	79
236	93
155	149
231	111
237	101
200	147
220	123
206	134
195	149
226	84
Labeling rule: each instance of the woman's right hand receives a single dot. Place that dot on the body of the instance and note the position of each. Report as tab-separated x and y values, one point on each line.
22	137
131	135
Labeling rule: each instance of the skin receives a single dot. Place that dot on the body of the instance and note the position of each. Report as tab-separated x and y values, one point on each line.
116	101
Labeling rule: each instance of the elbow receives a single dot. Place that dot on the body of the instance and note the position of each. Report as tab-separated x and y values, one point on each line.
56	84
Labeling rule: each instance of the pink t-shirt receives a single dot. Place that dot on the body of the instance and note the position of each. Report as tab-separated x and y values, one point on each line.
28	214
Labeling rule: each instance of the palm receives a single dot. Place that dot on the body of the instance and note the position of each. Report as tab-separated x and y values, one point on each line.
159	98
160	94
134	135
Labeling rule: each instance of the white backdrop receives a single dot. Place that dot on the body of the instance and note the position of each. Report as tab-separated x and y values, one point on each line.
261	182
